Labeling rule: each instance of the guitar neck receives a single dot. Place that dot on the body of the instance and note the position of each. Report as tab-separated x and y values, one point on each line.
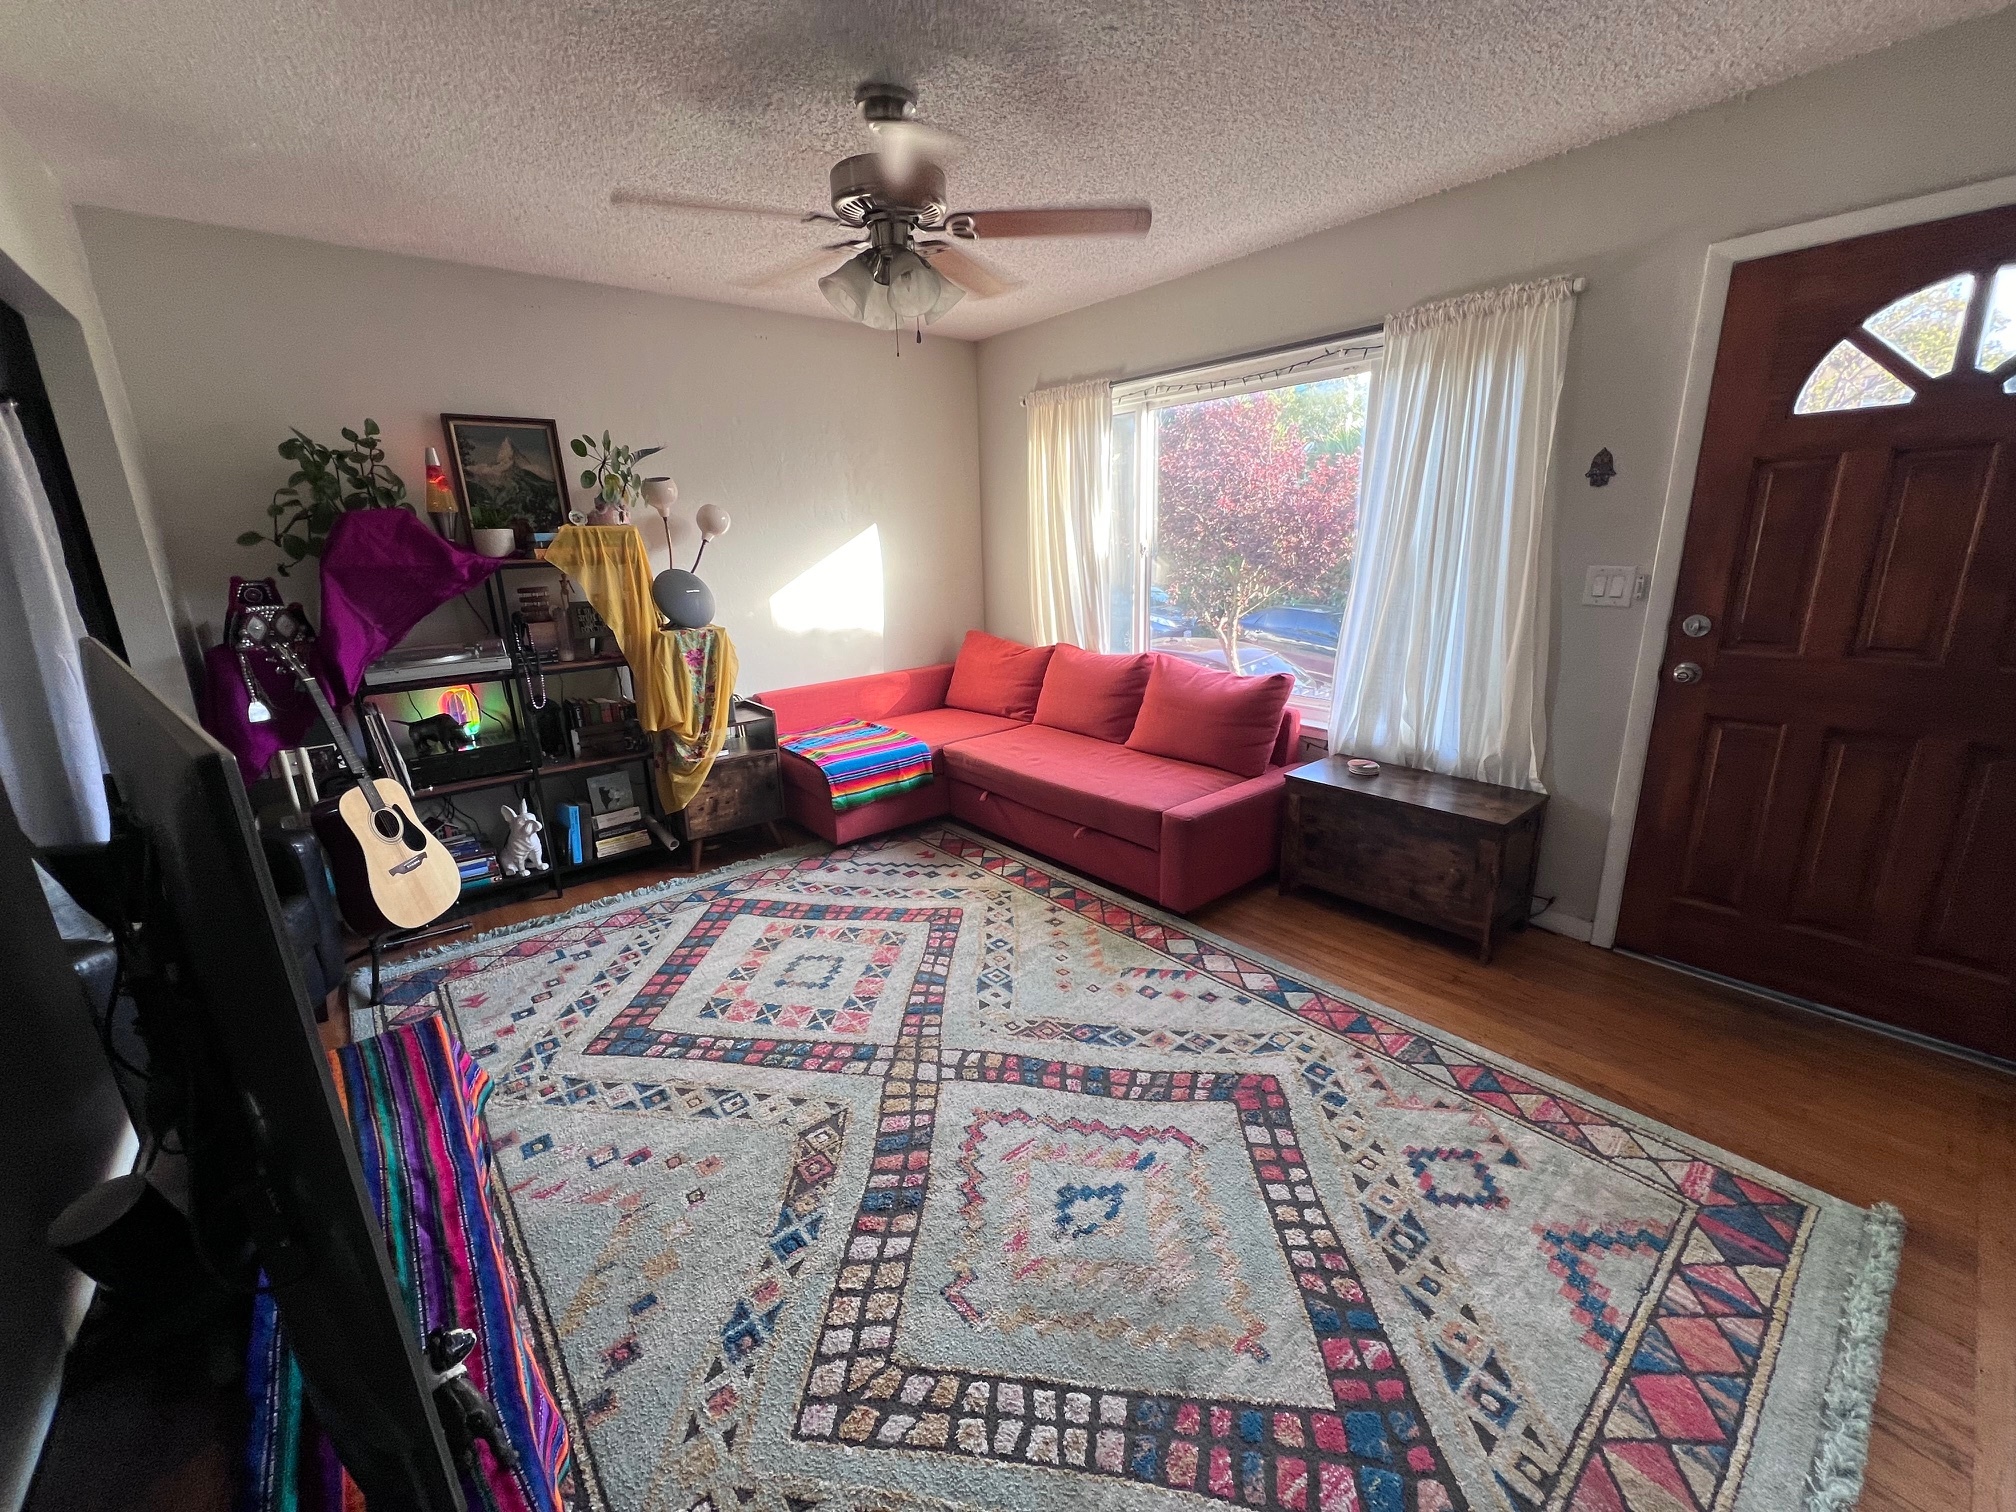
337	733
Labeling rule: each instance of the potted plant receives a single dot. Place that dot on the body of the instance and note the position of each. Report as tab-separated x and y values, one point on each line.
612	477
490	531
326	483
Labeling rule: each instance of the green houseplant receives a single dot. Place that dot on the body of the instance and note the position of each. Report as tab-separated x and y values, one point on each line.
490	530
325	484
612	474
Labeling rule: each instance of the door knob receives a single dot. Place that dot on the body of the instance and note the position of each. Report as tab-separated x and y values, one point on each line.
1686	672
1696	625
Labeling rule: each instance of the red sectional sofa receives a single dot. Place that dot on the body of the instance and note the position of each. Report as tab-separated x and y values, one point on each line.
1147	772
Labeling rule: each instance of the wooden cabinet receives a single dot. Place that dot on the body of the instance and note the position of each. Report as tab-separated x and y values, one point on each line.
745	786
1443	851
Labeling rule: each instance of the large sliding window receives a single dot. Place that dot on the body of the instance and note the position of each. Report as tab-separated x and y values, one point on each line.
1235	519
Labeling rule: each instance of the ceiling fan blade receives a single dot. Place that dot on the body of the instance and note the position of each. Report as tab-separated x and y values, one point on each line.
1091	220
654	201
820	262
966	270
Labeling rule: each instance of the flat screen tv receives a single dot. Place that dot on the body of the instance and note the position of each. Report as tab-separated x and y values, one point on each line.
270	1152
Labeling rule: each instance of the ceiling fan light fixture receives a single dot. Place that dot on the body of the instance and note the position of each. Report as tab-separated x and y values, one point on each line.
914	285
949	294
847	287
877	312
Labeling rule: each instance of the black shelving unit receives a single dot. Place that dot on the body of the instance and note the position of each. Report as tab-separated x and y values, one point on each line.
529	779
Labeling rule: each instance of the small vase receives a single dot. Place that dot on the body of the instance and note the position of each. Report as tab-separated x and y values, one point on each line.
494	543
606	513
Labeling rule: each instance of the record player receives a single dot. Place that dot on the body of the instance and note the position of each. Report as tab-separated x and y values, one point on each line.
409	664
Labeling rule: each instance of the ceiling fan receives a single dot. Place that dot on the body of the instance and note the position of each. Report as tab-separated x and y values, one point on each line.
906	265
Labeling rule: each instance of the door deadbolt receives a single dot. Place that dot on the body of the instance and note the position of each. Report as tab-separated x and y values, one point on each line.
1696	626
1686	672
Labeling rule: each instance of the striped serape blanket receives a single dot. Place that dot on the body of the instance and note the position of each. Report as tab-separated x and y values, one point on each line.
862	762
415	1103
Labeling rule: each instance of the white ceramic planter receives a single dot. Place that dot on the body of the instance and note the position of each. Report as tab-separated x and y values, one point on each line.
494	543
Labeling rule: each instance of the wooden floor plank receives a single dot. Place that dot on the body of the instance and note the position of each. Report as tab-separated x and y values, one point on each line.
1847	1110
1995	1341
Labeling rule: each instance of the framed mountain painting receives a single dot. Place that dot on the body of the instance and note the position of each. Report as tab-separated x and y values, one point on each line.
508	469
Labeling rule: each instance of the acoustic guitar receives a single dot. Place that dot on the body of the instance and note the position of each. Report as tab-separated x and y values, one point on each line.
391	871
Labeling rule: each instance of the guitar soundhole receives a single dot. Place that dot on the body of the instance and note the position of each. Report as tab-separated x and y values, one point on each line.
386	822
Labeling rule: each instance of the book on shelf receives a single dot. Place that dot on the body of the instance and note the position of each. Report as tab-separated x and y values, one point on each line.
617	819
475	858
601	727
622	842
567	823
609	792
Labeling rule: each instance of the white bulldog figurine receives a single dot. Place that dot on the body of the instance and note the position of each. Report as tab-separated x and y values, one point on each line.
524	853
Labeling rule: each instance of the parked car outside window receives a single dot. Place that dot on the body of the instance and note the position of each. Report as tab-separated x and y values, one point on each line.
1295	625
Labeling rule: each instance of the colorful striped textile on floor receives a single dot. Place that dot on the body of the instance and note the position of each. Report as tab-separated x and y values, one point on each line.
415	1103
862	762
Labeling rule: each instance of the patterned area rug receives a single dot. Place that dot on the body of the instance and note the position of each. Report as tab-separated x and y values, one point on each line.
917	1174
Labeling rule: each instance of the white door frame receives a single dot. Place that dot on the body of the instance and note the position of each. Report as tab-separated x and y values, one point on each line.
1722	257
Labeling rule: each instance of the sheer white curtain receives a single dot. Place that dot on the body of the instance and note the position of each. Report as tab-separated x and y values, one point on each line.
48	745
1070	488
1442	662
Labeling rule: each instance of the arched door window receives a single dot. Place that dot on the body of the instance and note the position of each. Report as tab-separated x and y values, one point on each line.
1916	340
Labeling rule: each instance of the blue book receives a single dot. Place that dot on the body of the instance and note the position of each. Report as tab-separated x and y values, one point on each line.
570	815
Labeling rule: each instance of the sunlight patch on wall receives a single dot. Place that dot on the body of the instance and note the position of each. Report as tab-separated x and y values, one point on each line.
841	592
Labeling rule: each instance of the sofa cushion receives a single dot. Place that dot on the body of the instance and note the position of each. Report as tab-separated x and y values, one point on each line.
1091	694
875	698
938	728
1216	719
1090	782
996	676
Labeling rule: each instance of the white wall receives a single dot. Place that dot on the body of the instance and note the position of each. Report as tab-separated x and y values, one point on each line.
44	275
809	432
1636	214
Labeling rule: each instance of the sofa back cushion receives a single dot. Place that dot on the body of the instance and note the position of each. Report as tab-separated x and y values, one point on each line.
996	676
1091	694
1216	719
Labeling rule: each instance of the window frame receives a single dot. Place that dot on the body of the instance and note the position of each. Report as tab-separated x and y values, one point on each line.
1145	398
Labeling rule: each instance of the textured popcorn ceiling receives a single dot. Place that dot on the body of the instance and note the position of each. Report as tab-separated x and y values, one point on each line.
492	132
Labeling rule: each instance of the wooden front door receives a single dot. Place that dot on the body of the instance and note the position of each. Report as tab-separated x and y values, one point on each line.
1829	805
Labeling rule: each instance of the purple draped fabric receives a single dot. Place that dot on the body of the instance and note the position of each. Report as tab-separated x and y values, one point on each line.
224	710
383	571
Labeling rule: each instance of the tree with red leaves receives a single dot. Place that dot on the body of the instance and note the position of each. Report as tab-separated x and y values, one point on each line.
1249	514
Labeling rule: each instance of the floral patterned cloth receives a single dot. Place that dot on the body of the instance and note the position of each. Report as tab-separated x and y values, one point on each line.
685	678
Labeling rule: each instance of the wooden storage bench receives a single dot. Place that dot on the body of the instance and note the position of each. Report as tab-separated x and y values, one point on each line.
1444	851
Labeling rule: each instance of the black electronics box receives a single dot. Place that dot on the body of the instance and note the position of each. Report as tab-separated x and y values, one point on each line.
499	760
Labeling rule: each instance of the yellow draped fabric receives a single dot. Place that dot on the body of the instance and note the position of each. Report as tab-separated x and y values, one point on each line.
685	679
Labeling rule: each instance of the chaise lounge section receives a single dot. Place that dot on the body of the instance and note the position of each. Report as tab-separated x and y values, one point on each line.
1157	776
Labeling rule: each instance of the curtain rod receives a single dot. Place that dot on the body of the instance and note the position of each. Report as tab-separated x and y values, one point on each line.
1257	355
1357	333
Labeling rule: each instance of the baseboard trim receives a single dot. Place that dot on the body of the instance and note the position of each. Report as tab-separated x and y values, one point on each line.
1556	922
1839	1015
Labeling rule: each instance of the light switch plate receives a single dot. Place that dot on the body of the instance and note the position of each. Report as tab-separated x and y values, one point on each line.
1611	587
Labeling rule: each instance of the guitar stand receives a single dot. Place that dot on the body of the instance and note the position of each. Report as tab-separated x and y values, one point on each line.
376	946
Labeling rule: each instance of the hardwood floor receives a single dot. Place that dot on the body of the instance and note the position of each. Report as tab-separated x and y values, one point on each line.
1847	1110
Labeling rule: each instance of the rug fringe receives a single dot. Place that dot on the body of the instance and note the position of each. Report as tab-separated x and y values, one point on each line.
364	1019
1835	1481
